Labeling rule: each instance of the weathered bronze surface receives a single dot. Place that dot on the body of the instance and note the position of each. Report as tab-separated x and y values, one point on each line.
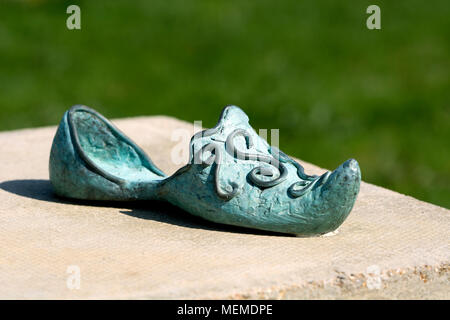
233	175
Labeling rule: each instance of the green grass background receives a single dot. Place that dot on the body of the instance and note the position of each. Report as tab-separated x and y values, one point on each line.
310	68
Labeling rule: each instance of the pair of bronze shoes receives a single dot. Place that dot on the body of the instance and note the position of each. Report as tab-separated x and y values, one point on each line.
233	176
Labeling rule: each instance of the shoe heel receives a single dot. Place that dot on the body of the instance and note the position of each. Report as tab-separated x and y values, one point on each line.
93	160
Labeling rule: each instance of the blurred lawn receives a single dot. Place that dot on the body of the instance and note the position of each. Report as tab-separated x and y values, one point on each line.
311	68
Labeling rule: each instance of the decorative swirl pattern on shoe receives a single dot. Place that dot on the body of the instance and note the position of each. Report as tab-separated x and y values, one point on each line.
276	160
216	156
299	188
306	186
231	149
286	159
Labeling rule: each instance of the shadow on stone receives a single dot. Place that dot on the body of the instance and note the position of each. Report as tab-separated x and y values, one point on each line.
151	210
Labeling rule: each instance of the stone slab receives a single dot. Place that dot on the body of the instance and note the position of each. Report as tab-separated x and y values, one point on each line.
391	246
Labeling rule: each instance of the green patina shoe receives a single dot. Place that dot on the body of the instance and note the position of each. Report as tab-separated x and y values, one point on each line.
233	176
91	159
